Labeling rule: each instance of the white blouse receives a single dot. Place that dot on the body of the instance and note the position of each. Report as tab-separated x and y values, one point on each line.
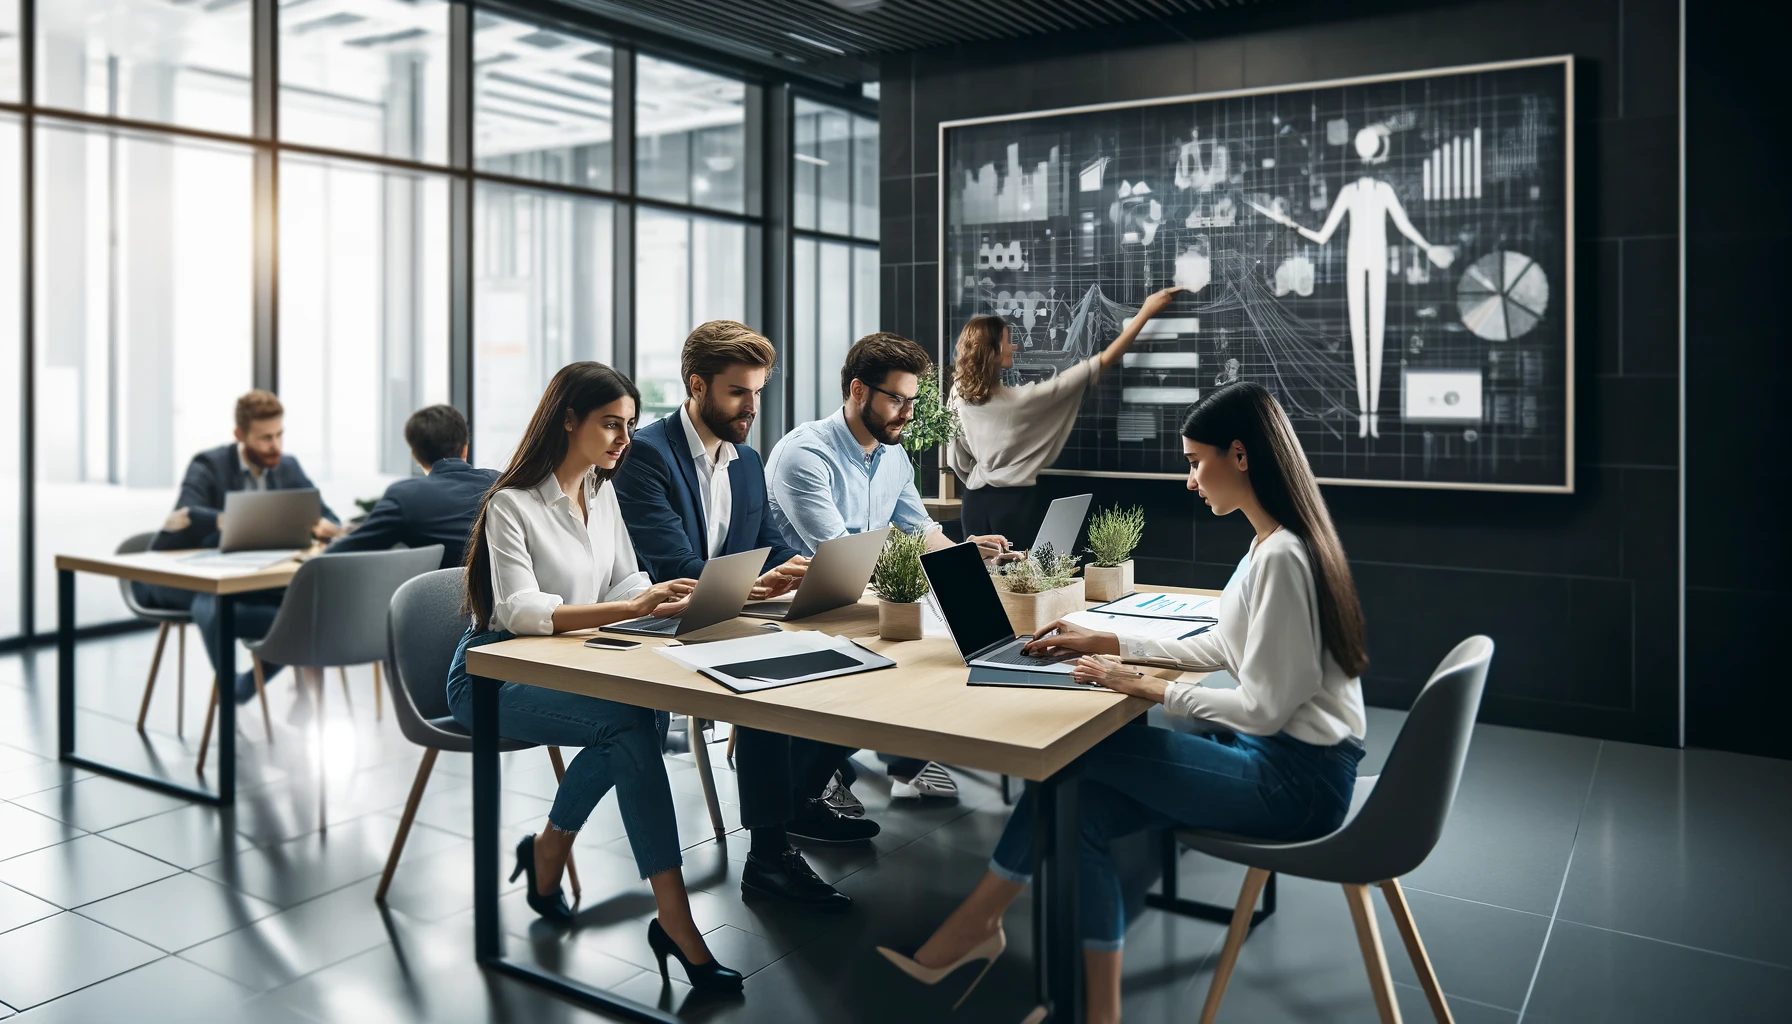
543	555
1268	637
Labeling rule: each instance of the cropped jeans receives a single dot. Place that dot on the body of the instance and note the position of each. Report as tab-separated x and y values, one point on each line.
621	749
1147	777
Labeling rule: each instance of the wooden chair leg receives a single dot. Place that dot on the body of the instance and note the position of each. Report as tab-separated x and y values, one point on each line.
733	732
323	774
1375	958
1421	961
404	823
205	738
706	775
347	700
260	691
376	691
180	686
155	665
1235	936
572	869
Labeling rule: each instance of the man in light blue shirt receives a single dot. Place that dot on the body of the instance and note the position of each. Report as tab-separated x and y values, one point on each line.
848	474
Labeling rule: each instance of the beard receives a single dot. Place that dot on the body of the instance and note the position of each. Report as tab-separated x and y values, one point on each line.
888	431
733	430
261	460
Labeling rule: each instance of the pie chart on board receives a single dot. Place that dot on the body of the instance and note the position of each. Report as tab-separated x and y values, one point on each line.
1502	295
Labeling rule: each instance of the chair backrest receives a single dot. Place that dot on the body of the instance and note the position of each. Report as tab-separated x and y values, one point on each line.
134	544
1401	821
334	610
423	628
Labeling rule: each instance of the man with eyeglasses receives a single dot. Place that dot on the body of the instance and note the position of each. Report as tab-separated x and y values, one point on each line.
848	473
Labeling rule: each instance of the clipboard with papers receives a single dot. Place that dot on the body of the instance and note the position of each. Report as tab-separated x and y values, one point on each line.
784	658
1149	605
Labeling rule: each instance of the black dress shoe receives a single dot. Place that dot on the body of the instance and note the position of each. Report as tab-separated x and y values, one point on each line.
790	878
818	822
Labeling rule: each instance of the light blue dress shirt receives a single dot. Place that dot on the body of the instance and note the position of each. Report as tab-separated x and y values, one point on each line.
822	486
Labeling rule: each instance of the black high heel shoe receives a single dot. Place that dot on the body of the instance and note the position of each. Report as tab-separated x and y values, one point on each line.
709	977
551	907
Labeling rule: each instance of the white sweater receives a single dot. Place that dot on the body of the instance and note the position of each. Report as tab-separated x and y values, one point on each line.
1268	638
1007	440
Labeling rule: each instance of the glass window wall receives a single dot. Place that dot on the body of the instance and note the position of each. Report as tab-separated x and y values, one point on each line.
688	270
690	136
12	394
369	76
543	102
147	60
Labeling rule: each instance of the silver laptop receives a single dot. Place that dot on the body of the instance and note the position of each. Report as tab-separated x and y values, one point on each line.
966	597
836	578
1063	521
264	527
721	591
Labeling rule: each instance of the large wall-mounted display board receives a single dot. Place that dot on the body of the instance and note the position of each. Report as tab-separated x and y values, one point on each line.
1391	256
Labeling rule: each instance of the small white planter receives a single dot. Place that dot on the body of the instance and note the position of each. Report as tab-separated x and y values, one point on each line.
899	621
1109	582
1030	613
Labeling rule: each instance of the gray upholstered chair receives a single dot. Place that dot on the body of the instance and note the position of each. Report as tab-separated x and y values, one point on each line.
423	628
1394	822
167	619
334	614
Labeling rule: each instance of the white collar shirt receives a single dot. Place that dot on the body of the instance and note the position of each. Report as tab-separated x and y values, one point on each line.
254	477
713	481
543	555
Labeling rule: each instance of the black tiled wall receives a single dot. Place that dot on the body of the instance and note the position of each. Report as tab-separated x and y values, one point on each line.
1738	369
1581	591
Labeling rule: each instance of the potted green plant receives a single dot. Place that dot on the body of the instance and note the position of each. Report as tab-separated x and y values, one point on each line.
900	584
1113	535
934	423
1039	589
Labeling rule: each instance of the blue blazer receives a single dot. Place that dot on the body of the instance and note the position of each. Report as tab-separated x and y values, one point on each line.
212	474
423	510
663	505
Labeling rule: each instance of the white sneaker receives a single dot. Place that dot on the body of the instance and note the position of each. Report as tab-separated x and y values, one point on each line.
932	780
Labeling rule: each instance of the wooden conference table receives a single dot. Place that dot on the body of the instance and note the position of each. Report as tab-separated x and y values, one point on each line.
168	569
921	708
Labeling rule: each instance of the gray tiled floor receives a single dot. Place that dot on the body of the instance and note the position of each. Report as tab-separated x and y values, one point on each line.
1577	881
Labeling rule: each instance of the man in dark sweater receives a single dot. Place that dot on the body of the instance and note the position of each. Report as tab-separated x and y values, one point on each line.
436	508
256	461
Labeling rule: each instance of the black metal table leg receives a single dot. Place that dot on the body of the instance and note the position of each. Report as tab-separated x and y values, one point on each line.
65	709
225	660
1169	899
488	937
1064	942
1043	806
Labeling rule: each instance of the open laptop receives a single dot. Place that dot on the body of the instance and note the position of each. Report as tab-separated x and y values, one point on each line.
264	527
966	596
836	578
721	591
1063	521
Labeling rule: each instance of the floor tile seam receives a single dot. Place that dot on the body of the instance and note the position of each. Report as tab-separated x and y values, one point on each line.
178	870
1567	869
1464	899
278	909
82	988
1680	945
1456	998
385	939
77	908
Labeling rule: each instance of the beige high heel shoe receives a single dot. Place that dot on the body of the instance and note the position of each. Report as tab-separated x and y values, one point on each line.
986	951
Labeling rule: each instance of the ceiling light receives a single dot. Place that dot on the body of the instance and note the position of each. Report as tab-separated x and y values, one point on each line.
818	44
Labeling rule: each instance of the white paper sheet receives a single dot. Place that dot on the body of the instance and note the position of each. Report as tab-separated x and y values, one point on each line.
1163	606
1138	626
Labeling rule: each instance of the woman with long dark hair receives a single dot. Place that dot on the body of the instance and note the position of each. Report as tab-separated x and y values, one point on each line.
550	553
1011	433
1280	761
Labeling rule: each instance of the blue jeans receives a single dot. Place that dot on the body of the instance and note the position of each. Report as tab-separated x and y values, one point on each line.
1145	777
621	749
254	616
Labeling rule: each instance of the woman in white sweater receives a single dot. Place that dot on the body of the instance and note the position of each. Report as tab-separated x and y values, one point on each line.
1282	762
1011	433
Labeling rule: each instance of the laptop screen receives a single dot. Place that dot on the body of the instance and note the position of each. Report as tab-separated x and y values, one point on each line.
966	597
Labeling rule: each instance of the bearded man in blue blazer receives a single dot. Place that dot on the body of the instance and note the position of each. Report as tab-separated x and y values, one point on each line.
692	489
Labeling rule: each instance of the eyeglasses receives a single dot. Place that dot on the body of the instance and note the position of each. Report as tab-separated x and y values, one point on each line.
902	401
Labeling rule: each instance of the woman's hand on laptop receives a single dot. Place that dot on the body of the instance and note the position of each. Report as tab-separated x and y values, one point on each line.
1062	636
781	579
1109	671
656	599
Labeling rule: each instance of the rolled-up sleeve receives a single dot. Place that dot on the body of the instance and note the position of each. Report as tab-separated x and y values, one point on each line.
803	490
518	603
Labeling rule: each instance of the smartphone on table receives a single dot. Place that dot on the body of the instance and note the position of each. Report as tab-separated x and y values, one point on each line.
612	643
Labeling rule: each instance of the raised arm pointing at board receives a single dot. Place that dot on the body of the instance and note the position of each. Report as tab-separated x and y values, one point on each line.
1011	433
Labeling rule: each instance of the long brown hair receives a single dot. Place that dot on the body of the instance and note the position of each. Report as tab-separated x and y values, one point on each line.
577	389
978	365
1247	413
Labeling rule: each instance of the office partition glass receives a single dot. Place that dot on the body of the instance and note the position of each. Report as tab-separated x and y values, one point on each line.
543	265
369	76
143	333
12	393
9	75
688	270
690	136
363	318
835	302
147	60
865	173
543	102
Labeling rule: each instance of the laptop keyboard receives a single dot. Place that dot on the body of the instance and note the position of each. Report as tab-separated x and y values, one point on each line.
652	624
769	609
1013	656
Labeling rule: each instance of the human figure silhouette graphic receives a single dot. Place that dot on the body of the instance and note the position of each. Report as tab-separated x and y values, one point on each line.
1370	202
